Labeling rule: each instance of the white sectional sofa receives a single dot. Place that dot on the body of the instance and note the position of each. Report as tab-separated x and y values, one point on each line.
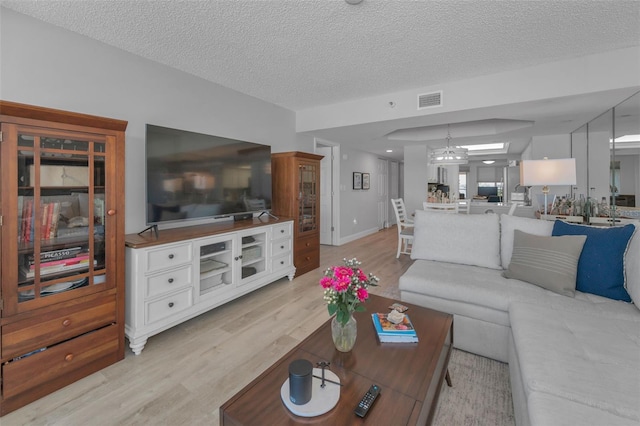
574	357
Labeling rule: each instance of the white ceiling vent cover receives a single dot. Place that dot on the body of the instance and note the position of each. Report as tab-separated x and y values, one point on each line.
430	100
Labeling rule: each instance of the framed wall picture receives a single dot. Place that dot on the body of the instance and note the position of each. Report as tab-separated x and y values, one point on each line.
357	180
366	181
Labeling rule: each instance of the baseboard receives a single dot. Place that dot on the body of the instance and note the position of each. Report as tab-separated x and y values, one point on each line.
357	236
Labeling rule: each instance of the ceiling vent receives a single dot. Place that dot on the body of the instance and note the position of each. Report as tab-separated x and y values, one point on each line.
430	100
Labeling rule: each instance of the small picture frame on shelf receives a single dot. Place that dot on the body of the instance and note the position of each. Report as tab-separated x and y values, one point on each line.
357	180
366	181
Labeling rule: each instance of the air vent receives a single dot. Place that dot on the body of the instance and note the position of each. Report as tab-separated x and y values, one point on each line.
430	100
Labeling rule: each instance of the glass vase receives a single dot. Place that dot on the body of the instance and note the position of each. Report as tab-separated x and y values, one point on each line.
344	336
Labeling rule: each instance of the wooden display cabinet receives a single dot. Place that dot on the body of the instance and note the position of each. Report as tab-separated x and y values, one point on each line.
296	194
61	251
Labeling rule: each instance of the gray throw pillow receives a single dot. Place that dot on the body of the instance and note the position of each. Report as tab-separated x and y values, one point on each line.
548	262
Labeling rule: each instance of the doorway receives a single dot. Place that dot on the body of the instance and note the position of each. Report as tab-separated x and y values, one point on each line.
383	193
329	191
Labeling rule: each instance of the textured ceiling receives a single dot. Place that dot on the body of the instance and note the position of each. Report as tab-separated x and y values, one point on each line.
304	53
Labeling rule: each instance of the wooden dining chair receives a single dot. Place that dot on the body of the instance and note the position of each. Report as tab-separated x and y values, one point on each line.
405	227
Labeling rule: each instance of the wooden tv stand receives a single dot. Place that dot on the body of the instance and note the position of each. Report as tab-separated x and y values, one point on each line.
184	272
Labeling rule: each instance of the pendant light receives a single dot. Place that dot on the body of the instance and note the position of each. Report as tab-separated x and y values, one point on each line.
449	155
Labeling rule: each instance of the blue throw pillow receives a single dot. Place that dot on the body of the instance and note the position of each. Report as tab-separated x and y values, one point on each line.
601	264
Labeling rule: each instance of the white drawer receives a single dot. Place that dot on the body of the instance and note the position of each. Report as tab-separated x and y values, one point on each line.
281	231
166	282
281	262
169	305
280	247
168	257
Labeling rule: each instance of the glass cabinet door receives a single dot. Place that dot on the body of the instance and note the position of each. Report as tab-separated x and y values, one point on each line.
60	226
308	205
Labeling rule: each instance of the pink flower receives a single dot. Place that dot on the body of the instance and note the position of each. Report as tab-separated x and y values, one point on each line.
362	294
401	327
326	282
342	271
362	276
341	284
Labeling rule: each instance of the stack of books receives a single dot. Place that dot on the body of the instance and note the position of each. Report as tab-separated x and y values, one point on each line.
49	213
57	261
389	332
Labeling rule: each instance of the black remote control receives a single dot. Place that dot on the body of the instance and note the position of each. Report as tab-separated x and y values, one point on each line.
367	400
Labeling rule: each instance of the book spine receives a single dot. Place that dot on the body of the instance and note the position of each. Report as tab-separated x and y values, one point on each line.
66	253
32	220
54	220
49	214
27	219
60	268
20	212
69	261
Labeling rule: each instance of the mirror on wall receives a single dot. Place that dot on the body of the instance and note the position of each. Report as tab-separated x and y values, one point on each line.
600	133
625	153
579	152
609	147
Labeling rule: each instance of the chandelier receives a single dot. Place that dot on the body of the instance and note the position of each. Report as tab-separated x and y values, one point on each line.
449	155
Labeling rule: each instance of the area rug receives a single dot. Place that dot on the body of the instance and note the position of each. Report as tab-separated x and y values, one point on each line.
481	393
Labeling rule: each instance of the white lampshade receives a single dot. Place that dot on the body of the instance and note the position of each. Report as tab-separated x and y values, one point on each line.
548	172
449	155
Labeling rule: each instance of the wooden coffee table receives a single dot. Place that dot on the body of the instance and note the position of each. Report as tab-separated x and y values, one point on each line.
410	374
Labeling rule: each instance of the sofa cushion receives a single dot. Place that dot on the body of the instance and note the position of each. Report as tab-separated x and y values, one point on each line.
457	238
578	355
486	287
548	262
529	225
601	265
545	410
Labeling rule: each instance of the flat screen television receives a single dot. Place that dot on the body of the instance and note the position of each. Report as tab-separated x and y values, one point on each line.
194	176
487	191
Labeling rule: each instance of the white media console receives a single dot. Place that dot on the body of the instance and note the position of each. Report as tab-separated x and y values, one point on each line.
184	272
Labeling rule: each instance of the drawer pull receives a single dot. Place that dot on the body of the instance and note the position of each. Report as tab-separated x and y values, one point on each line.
308	258
308	244
68	357
171	256
282	262
282	231
170	280
171	304
111	212
66	322
282	247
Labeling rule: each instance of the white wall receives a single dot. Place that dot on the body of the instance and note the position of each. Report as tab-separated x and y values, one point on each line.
44	65
358	208
416	176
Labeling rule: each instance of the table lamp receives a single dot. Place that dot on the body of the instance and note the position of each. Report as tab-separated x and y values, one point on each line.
548	172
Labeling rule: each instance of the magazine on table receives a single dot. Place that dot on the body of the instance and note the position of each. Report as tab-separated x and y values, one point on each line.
387	331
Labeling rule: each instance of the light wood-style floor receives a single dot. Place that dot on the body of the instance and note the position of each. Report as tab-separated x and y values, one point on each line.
184	374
